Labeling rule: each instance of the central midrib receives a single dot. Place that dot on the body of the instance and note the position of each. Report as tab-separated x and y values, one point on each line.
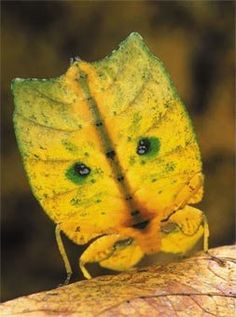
109	150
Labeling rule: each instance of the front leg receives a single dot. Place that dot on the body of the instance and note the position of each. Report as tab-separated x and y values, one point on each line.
113	252
183	229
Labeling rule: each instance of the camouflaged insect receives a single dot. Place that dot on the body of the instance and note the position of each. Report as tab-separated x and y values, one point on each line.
110	154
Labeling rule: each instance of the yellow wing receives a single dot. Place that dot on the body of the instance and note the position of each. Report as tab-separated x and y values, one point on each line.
139	105
54	139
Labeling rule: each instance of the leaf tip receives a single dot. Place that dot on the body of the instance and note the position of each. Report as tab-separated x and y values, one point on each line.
135	37
15	81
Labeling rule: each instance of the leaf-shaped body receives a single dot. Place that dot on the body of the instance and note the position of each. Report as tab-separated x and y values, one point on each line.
109	150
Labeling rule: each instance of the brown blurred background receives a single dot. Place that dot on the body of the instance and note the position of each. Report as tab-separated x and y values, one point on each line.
195	40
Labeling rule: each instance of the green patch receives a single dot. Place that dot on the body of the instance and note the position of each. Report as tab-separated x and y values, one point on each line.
170	167
153	149
137	118
73	175
98	171
155	146
75	201
69	146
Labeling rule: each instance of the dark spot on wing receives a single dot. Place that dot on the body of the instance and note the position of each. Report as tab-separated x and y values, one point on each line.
128	198
120	178
135	213
144	146
141	225
82	169
148	147
99	124
111	154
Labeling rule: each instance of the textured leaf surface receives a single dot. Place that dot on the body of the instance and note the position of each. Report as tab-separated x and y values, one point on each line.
109	150
198	286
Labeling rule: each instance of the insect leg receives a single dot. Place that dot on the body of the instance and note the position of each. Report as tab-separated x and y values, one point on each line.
205	234
113	251
183	229
63	254
99	250
221	262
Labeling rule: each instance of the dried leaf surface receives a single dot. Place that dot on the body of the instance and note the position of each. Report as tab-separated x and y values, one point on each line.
197	286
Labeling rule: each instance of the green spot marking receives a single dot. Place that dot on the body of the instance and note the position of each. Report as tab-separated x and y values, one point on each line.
170	166
69	146
75	201
136	120
155	146
73	175
153	149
